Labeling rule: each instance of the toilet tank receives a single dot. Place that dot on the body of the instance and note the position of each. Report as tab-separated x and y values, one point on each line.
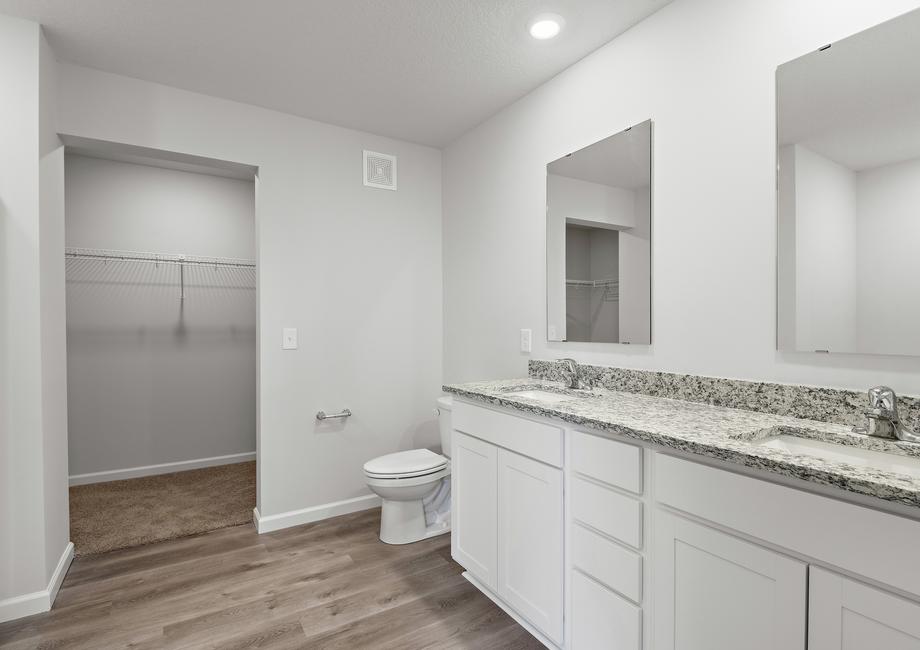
445	405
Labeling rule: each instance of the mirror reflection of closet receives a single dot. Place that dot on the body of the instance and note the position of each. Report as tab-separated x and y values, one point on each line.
592	309
598	233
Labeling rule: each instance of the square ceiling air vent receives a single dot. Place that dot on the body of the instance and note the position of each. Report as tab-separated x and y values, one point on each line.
379	170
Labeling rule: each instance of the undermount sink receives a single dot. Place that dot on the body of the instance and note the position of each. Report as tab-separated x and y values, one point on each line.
885	456
546	396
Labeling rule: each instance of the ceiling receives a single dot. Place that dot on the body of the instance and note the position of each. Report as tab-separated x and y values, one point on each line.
424	71
857	102
623	160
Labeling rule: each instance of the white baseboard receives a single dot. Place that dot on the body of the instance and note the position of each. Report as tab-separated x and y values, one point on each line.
59	572
269	523
165	468
38	601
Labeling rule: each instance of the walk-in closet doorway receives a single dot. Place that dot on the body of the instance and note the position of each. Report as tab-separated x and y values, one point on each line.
161	345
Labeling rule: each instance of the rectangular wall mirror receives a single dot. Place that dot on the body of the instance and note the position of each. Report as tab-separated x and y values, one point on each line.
848	194
598	239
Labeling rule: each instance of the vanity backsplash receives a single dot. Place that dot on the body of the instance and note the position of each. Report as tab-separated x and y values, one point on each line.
807	402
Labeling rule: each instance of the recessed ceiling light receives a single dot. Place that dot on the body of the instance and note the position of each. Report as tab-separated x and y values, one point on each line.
546	26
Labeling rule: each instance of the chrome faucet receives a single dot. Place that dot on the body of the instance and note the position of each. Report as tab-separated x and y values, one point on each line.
571	374
883	418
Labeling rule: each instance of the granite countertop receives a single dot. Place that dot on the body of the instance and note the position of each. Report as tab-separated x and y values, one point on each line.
727	434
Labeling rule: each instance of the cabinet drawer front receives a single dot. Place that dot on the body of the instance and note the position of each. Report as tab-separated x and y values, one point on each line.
607	562
809	524
607	460
611	513
601	619
537	440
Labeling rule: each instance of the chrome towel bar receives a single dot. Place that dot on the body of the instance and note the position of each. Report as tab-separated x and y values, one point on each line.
322	415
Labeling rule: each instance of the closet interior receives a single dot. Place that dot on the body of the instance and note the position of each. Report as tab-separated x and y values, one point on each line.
161	348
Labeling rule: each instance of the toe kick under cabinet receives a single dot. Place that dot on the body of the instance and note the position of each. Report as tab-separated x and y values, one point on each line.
592	542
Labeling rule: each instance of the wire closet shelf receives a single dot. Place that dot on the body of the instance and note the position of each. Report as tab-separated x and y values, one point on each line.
181	261
610	287
105	255
592	284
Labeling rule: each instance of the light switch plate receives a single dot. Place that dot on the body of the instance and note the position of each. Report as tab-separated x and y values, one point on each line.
289	338
526	340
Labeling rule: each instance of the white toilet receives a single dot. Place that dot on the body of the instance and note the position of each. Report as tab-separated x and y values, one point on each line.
415	488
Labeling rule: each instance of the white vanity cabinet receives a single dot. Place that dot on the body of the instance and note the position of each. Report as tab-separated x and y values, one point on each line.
507	527
595	541
844	614
717	589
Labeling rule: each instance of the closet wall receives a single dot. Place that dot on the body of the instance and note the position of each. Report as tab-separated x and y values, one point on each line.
592	314
153	379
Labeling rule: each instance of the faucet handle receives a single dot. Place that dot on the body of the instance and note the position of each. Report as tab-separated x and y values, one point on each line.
883	401
569	366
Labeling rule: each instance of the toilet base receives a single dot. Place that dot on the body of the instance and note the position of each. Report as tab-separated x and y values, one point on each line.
403	522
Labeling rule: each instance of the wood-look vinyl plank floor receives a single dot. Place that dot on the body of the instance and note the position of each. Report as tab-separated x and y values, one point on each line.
331	584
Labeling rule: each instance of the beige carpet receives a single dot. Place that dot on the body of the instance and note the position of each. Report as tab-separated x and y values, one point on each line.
120	514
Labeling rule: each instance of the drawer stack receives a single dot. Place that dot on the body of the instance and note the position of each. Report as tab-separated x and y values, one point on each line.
606	538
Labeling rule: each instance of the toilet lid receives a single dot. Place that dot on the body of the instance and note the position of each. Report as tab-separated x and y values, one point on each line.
413	461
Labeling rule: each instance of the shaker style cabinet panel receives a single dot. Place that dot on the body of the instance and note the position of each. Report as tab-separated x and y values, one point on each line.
714	591
847	615
609	512
474	529
602	619
530	540
609	563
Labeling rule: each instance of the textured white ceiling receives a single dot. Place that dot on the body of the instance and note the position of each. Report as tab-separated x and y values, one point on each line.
420	70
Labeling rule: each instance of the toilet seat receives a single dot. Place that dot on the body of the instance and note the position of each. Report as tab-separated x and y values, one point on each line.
394	482
405	464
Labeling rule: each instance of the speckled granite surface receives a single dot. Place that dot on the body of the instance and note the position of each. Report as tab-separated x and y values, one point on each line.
729	434
805	402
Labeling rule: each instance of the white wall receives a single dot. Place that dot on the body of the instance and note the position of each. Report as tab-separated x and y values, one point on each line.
357	270
703	70
136	207
785	248
826	253
151	379
33	473
53	318
635	273
572	198
22	533
888	229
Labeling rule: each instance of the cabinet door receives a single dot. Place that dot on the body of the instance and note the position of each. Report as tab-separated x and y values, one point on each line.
847	615
474	487
714	591
530	538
